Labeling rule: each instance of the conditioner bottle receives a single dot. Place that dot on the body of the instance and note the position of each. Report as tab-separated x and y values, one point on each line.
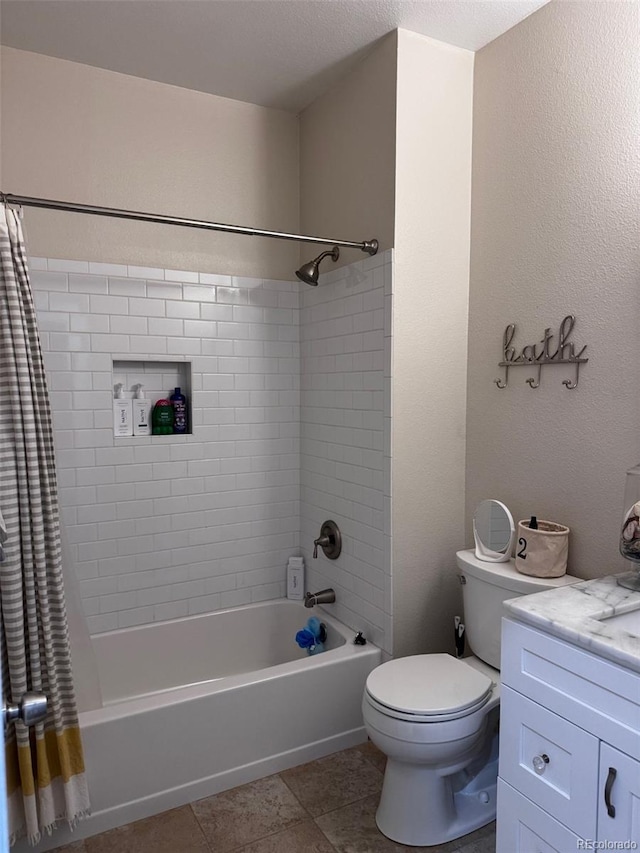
122	413
141	412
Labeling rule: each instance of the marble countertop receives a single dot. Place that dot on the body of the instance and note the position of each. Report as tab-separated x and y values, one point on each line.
580	613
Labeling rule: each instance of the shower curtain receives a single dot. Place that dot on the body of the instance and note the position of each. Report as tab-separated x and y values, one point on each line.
45	767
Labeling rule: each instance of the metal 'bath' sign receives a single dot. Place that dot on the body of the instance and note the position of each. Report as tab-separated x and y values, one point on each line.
540	355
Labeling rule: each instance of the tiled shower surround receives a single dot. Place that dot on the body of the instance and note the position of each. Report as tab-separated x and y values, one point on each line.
345	343
168	526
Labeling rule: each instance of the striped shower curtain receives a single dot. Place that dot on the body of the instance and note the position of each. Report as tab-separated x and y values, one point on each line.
45	768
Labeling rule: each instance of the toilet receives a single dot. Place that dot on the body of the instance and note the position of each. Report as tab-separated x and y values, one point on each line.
436	717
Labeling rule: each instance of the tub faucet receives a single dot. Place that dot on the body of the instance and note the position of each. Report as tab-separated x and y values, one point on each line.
325	596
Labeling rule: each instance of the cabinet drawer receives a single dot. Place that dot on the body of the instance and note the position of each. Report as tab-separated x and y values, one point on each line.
566	784
522	827
598	695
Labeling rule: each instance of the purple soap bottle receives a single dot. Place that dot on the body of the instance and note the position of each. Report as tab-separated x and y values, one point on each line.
179	412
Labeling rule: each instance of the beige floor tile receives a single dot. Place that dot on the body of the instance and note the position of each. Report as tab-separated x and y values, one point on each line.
483	840
247	814
334	781
169	832
303	838
377	758
342	791
353	829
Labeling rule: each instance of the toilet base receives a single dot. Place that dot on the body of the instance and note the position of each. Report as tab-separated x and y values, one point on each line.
419	808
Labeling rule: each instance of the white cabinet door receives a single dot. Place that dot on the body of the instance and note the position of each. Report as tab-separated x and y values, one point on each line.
618	797
522	827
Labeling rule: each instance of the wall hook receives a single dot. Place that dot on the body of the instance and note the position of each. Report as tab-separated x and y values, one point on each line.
568	383
499	382
531	382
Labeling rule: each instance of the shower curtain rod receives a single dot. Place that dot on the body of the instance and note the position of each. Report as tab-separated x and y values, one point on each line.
368	246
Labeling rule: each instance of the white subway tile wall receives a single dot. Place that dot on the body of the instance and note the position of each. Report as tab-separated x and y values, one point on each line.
345	347
167	526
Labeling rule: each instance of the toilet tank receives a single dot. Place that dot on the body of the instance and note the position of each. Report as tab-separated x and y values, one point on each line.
484	587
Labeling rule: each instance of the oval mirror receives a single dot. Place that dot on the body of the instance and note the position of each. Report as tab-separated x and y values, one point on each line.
494	531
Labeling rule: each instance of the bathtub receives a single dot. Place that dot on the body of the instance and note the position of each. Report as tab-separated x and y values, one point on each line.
195	706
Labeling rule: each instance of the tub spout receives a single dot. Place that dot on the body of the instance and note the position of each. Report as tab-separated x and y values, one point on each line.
325	596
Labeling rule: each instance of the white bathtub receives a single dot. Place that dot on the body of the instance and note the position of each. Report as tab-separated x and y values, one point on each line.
198	705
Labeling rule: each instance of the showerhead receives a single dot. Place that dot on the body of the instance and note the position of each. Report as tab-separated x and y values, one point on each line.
309	272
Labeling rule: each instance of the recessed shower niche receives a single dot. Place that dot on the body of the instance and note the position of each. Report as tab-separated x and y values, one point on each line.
158	380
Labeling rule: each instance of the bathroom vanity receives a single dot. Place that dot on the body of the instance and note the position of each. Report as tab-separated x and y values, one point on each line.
569	776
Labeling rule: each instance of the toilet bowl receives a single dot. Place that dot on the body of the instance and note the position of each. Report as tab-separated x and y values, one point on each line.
431	716
436	717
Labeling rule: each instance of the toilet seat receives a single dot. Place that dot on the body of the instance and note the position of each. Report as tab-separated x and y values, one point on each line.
425	718
427	688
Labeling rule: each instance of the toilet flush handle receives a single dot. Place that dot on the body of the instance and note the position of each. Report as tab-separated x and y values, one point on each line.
459	630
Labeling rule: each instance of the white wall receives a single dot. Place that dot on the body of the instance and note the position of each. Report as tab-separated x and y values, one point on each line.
347	156
169	526
345	408
430	299
556	177
77	133
413	192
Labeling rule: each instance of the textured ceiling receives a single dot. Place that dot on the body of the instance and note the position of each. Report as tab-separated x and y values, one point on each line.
277	53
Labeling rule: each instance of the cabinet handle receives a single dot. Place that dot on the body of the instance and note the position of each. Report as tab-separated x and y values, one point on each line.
540	763
611	778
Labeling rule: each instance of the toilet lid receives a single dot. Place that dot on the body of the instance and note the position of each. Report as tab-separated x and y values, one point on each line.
428	685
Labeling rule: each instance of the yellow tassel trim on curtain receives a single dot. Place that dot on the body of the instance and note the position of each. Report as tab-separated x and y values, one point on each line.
55	755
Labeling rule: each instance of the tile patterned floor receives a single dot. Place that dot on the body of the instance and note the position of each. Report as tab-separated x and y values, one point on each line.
326	806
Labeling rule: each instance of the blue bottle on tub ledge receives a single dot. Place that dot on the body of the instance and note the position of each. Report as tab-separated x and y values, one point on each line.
179	412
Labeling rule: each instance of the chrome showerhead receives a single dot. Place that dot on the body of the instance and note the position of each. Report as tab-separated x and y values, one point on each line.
309	272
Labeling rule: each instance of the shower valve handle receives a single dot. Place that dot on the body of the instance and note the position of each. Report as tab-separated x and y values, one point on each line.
323	542
330	540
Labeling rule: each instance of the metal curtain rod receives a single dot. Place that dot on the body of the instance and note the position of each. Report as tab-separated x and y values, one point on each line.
368	246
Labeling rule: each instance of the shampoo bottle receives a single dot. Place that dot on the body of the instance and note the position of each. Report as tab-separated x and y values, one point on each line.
162	418
122	413
141	412
295	578
179	412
